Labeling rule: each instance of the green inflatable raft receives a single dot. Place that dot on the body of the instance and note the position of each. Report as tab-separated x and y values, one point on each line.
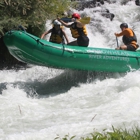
31	49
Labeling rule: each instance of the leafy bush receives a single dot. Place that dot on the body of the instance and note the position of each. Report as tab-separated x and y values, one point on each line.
31	14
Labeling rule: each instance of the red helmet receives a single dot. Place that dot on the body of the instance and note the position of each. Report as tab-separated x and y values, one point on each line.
76	15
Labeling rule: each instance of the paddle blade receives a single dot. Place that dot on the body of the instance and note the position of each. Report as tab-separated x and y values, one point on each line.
66	19
85	20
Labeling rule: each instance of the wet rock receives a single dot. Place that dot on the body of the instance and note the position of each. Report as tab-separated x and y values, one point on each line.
95	3
137	2
7	61
105	13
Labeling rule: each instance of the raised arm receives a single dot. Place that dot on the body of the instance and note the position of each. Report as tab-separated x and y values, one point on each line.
65	36
64	23
45	33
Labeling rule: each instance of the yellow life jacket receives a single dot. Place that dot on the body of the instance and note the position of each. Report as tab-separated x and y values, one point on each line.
56	36
76	32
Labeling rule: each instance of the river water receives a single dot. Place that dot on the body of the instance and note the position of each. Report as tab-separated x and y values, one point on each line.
41	103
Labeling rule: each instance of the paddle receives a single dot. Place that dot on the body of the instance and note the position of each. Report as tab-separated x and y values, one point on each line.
117	42
66	19
84	20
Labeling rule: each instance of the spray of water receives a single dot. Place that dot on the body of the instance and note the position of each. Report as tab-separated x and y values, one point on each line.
40	103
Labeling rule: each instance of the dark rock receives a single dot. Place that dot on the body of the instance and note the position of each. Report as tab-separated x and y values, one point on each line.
7	61
137	2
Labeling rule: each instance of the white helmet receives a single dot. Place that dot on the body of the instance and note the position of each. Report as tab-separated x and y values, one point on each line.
56	22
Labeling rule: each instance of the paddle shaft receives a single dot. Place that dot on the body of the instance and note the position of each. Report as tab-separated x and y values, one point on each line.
66	19
84	20
117	42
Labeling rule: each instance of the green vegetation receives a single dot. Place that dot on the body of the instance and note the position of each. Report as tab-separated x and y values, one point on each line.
115	134
31	14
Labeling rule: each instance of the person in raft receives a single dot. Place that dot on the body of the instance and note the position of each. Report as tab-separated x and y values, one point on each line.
129	38
57	33
78	31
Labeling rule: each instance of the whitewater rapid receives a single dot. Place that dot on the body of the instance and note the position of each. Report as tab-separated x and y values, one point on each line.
41	103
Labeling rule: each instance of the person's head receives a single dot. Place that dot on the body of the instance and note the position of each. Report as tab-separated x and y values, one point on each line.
123	26
56	24
76	16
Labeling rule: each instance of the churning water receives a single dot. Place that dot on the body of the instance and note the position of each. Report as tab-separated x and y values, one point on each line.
41	103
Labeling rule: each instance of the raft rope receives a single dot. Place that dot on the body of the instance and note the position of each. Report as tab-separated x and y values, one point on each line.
38	41
64	49
70	51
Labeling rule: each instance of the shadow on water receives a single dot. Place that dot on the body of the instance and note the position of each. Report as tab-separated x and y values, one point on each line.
59	84
65	81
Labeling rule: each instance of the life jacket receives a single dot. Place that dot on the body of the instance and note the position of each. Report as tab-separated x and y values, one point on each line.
128	40
56	36
76	32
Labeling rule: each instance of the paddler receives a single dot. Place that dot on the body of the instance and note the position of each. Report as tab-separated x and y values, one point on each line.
57	33
78	31
129	38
